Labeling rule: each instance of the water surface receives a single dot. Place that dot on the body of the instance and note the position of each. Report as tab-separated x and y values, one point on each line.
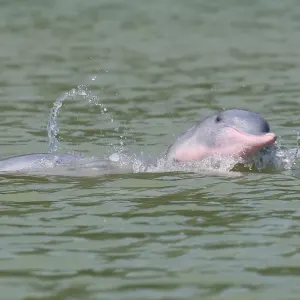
154	68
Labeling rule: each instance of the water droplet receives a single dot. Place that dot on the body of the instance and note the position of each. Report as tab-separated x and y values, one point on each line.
114	157
82	93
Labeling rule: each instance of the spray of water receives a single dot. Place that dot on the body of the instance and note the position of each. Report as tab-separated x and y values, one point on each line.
53	127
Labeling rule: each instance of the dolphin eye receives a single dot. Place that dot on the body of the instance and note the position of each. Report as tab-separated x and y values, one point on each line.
218	119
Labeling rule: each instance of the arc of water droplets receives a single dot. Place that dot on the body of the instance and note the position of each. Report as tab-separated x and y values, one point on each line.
53	127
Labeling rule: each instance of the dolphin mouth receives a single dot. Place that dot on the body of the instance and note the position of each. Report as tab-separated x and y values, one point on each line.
240	143
230	142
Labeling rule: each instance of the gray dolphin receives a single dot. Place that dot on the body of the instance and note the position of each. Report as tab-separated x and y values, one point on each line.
233	132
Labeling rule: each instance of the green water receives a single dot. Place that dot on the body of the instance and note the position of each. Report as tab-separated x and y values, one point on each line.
158	66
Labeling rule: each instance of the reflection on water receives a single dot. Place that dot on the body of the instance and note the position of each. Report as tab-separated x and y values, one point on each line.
154	68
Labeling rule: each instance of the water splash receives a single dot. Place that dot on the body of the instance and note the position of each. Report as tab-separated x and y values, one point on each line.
276	158
269	159
53	126
84	91
140	164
